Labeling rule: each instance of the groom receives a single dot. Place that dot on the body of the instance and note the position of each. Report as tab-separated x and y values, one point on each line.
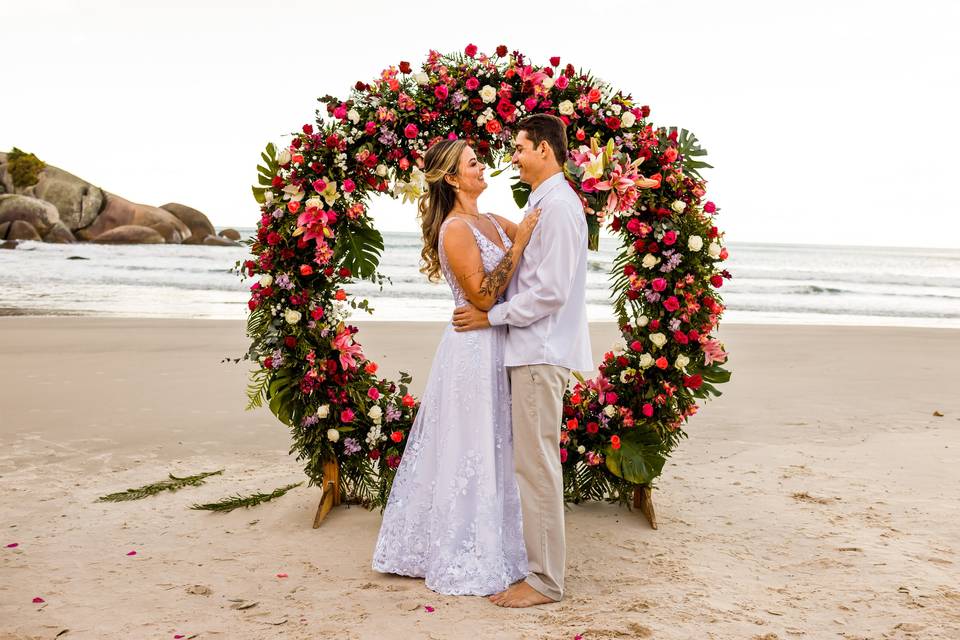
548	337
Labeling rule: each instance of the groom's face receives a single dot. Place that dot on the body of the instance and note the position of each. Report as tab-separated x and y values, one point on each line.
526	158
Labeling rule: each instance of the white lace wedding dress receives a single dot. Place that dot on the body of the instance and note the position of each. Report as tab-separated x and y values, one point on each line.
453	516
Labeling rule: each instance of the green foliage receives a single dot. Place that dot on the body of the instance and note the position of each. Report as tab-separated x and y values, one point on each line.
689	147
229	504
24	168
172	484
265	172
640	458
359	249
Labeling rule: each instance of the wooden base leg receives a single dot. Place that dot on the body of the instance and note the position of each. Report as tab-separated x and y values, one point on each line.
643	500
331	491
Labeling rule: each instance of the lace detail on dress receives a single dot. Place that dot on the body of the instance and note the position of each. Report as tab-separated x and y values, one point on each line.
453	516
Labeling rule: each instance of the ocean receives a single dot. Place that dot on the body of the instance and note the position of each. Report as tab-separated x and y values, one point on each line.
772	283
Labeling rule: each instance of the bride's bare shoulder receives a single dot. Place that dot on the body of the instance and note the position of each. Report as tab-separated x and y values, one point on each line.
510	228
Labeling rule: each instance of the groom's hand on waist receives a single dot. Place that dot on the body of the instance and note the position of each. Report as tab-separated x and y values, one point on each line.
469	318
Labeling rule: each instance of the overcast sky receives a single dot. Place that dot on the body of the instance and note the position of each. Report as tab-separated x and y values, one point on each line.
827	121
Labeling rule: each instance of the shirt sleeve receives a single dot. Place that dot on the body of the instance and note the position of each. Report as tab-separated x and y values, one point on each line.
559	245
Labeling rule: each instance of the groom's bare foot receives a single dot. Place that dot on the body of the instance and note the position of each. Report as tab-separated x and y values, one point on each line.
498	597
521	595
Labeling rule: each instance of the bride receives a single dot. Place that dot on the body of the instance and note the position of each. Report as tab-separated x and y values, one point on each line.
453	516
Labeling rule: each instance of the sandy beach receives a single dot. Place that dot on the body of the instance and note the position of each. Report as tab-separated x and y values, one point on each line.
817	498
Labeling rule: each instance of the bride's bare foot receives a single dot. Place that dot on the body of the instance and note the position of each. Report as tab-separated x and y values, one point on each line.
521	595
498	597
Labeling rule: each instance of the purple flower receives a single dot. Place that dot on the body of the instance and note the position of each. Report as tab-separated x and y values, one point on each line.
392	413
388	137
652	296
310	420
350	446
674	324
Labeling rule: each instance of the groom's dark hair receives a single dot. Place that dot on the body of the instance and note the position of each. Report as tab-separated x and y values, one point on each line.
542	127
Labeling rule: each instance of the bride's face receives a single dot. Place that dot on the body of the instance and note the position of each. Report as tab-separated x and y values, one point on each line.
470	174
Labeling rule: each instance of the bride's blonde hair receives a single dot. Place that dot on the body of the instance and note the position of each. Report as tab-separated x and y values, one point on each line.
440	161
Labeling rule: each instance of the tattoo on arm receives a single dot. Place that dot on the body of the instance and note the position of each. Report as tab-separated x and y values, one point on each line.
496	281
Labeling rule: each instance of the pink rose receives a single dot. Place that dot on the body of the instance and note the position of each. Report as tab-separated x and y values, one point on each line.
658	284
611	397
373	393
370	128
563	455
561	83
472	84
319	185
441	92
347	415
411	131
647	409
530	104
340	113
709	207
670	237
349	185
671	304
471	50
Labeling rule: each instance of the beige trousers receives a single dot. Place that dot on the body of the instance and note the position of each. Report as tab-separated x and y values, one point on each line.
537	396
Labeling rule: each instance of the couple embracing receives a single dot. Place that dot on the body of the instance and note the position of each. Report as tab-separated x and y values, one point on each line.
477	502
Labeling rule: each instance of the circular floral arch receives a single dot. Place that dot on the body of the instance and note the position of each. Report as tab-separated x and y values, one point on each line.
314	238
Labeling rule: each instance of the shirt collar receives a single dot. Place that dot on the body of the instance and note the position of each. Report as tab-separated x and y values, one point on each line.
545	187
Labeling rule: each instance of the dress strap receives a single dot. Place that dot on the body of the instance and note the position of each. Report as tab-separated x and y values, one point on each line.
503	234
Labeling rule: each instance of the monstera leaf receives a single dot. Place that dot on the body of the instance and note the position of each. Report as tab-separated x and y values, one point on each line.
639	459
689	148
359	249
265	172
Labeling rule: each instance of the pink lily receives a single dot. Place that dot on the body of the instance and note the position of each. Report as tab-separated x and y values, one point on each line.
348	349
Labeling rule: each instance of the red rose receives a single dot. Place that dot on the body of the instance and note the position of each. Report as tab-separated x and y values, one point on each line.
629	270
277	182
506	109
273	238
472	84
404	67
371	368
306	270
408	401
680	337
716	280
293	207
669	155
502	50
393	461
576	399
572	424
670	237
662	363
411	131
471	50
713	233
653	247
693	382
613	122
374	455
290	341
693	334
494	126
569	71
370	128
308	129
615	442
441	91
709	207
633	294
555	61
581	135
636	345
671	304
340	295
654	325
647	409
344	272
592	427
658	284
268	362
563	455
396	436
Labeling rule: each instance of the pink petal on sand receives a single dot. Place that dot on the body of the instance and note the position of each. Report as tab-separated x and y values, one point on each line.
281	575
429	609
12	545
578	637
178	636
132	553
38	600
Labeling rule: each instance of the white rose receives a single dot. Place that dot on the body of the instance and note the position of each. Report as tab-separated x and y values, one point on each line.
610	410
375	413
421	78
617	109
650	261
566	108
642	321
291	316
631	251
333	435
547	83
619	345
323	411
353	116
313	203
628	119
381	170
658	339
682	362
695	243
713	250
646	361
266	280
284	157
581	449
678	206
488	94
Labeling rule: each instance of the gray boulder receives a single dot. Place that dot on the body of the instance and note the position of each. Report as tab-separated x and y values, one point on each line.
41	215
59	234
232	234
20	230
199	225
77	201
130	234
120	212
217	241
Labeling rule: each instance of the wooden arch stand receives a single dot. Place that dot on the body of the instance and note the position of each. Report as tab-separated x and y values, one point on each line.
642	496
331	491
643	500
